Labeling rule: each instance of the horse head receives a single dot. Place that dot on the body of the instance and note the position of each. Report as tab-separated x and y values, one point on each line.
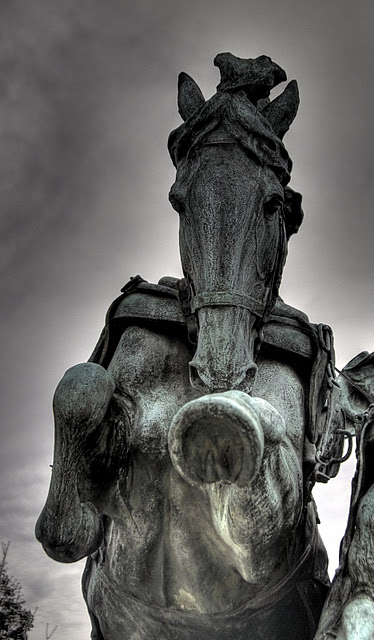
236	212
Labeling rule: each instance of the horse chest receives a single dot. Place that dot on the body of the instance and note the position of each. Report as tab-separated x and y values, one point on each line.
153	526
151	374
282	386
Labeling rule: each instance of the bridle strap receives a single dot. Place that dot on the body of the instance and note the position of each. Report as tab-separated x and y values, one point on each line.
192	303
227	299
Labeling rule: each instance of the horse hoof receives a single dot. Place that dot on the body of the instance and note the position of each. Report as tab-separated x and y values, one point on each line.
217	438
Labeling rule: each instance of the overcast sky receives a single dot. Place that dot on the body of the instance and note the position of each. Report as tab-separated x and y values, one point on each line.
87	100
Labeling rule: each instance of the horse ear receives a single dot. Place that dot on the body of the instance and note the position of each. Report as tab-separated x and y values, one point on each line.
361	371
190	98
282	110
293	213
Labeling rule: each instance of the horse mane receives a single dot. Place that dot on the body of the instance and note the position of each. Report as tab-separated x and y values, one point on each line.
235	113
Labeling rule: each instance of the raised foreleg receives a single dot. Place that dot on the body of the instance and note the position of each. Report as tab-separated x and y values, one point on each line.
237	448
258	519
70	526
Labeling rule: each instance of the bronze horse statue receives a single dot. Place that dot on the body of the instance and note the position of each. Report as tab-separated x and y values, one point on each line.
186	449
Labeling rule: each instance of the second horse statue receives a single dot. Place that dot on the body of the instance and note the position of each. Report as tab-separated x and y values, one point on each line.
187	448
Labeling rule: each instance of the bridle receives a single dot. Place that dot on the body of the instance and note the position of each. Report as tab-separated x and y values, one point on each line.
191	302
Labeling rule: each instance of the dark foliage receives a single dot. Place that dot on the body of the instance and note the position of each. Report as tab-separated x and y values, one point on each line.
15	619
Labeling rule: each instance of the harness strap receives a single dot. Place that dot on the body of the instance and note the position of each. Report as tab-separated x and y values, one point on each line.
358	388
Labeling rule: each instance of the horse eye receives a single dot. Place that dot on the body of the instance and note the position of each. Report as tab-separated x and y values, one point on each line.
273	206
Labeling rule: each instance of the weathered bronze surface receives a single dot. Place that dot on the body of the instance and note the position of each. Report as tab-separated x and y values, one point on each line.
187	448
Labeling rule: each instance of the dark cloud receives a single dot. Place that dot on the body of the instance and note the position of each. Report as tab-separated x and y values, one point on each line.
87	98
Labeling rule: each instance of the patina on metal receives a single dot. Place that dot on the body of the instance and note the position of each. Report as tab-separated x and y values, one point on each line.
187	448
349	609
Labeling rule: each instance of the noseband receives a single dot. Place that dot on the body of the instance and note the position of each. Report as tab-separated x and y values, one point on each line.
226	298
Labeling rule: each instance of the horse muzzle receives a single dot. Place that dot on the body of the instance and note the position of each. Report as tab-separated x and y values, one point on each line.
224	358
202	379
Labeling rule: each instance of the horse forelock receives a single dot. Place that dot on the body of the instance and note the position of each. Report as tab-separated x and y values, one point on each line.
243	122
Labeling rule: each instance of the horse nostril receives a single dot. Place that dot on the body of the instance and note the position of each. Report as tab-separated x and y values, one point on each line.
247	383
202	383
195	379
